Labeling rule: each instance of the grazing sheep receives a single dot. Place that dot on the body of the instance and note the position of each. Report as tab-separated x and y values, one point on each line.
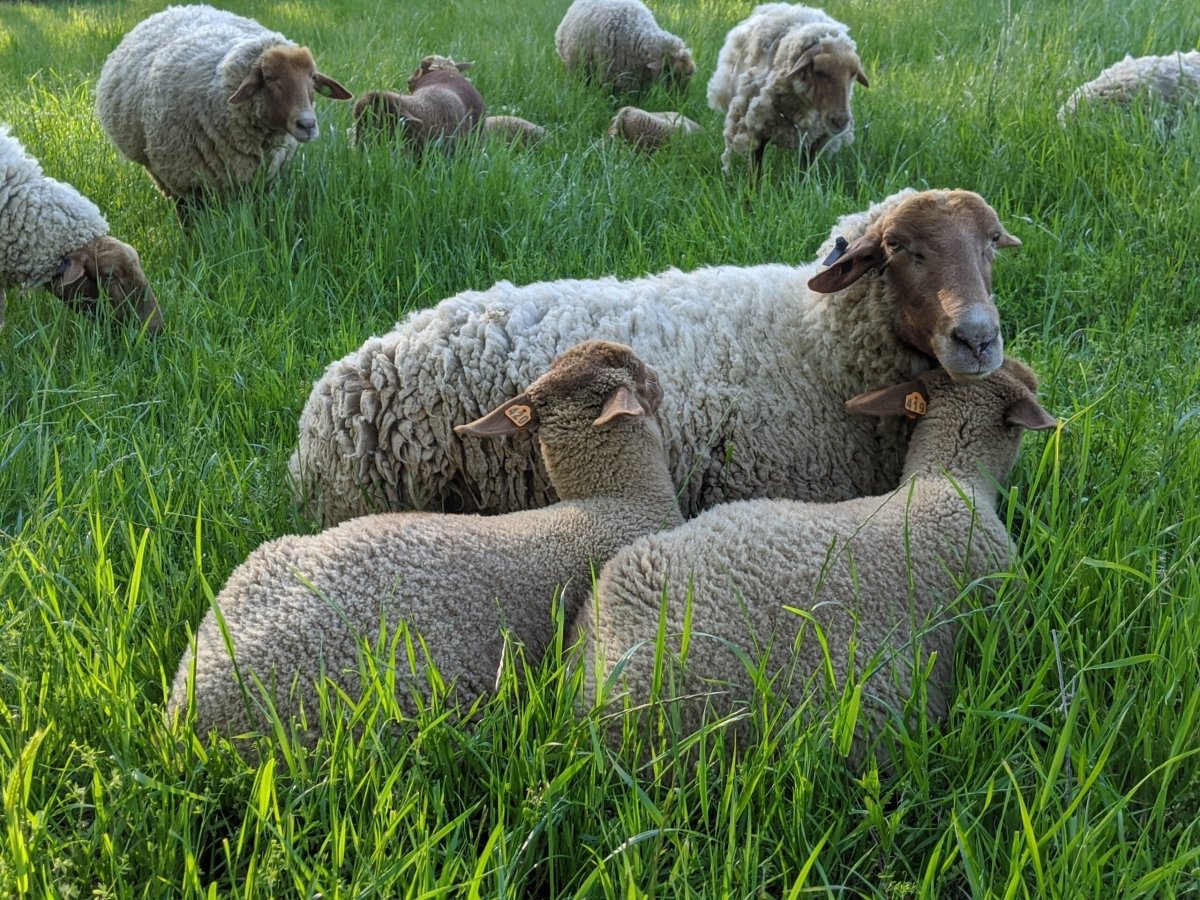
649	130
52	235
303	606
785	76
514	129
754	580
202	97
752	359
1171	79
619	44
441	105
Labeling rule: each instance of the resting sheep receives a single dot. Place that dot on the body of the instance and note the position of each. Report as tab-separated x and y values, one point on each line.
514	129
52	235
649	130
202	97
302	606
1171	79
441	105
753	360
785	76
754	580
619	44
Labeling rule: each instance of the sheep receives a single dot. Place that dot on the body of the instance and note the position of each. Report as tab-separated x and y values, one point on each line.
649	130
619	44
441	104
52	235
301	607
204	98
1171	79
754	580
514	130
785	76
749	355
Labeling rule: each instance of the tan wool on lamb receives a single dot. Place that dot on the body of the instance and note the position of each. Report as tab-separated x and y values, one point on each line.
748	584
1172	79
514	129
305	607
649	130
620	45
441	105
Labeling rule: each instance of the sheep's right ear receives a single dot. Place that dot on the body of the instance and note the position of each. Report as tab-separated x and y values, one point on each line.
906	399
621	402
463	66
510	417
251	85
1028	413
859	258
70	269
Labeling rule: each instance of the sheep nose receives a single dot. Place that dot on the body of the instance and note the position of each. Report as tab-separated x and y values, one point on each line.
978	337
838	120
305	128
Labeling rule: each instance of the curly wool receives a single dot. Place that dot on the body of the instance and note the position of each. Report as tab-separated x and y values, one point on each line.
41	219
163	95
1172	79
620	43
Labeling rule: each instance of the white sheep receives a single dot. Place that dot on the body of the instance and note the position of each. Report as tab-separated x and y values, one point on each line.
753	581
753	360
785	76
53	236
620	45
202	97
649	130
441	105
1171	79
304	606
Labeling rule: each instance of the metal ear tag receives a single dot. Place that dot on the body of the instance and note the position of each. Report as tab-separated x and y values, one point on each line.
915	404
839	248
519	415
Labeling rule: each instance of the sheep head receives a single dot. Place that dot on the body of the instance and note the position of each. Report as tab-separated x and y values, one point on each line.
824	75
435	64
286	78
936	249
380	113
107	265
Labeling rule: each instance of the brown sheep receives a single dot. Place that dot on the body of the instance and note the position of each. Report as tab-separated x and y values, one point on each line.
441	104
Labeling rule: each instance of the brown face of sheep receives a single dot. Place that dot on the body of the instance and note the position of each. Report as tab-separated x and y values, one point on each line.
826	78
937	248
286	78
107	266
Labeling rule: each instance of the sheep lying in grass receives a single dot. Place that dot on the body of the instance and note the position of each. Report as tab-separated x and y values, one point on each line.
876	575
303	606
514	129
202	97
620	45
441	105
649	130
52	235
752	359
1171	79
785	76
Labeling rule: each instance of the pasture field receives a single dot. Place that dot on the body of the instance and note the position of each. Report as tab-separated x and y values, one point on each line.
135	474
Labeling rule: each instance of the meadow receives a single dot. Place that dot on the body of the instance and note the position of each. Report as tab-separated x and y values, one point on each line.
135	474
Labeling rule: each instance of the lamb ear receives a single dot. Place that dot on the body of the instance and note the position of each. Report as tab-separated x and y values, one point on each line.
621	402
860	257
861	77
510	417
327	87
896	400
71	268
251	85
1008	240
1028	413
463	66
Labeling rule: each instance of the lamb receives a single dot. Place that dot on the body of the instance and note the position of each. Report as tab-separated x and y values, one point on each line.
202	97
441	105
302	606
785	76
619	44
1171	79
514	129
750	357
754	580
52	235
649	130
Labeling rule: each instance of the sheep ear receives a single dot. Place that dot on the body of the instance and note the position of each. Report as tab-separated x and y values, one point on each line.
511	417
906	399
327	87
861	77
1028	413
858	259
654	67
1008	240
804	62
251	85
463	66
70	269
621	402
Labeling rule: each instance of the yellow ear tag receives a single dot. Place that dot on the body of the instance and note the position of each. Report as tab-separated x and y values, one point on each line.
915	404
519	415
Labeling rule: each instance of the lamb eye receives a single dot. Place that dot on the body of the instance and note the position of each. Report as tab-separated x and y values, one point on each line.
995	237
892	244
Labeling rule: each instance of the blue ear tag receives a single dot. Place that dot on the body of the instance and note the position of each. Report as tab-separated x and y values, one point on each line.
839	247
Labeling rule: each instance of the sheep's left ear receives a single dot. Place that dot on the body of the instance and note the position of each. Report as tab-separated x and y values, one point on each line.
463	66
327	87
1008	240
858	259
251	85
804	61
510	417
906	399
621	402
861	77
1028	413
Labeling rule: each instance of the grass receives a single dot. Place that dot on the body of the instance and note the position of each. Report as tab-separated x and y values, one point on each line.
135	474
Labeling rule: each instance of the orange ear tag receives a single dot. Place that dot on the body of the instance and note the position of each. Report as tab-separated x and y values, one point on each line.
519	415
915	404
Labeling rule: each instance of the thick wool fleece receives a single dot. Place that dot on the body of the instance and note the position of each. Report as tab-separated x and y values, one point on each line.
303	606
618	42
1173	79
754	365
877	574
163	98
41	220
760	105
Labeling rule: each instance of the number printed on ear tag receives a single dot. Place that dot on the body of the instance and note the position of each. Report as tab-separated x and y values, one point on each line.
519	415
915	404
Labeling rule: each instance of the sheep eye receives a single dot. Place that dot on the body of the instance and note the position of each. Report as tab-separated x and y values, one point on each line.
995	237
892	243
822	77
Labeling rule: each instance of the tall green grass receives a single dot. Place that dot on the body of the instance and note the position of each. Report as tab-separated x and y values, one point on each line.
135	474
